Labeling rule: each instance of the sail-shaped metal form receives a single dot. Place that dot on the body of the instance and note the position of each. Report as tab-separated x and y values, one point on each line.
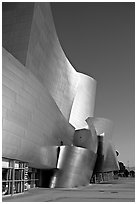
47	104
106	154
76	163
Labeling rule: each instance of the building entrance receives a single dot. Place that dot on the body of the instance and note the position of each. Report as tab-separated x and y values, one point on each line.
46	177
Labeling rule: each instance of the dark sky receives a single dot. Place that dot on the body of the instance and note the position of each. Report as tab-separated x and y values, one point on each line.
98	39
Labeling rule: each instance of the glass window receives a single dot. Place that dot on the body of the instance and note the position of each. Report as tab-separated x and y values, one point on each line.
17	177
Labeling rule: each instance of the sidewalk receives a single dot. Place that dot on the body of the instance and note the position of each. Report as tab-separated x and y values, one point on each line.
122	190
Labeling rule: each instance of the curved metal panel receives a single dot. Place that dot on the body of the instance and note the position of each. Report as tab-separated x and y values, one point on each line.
47	61
33	121
92	129
75	167
106	156
84	138
110	159
102	126
41	96
83	104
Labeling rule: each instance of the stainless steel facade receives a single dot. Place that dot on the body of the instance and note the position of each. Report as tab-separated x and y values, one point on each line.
106	154
45	99
75	167
39	89
83	104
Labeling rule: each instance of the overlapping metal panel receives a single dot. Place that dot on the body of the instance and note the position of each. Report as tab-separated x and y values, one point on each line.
44	99
106	154
39	87
86	138
84	101
47	61
75	167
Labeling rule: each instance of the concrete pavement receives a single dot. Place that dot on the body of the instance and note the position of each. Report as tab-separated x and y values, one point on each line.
122	190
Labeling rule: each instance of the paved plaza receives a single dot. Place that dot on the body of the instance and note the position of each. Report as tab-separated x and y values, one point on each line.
121	190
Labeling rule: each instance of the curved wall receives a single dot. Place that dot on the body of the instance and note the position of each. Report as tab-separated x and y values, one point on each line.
110	159
102	126
86	138
47	61
106	154
84	101
31	119
83	138
45	98
39	96
75	167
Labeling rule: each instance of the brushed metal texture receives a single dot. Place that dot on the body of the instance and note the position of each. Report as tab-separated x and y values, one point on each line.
75	167
84	101
84	138
106	154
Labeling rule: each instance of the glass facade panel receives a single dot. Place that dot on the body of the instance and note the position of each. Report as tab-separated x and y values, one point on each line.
7	176
33	177
17	177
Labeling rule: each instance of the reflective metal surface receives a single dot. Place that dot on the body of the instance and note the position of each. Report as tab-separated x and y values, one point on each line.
86	138
106	155
102	126
110	159
45	99
92	129
84	101
83	138
75	167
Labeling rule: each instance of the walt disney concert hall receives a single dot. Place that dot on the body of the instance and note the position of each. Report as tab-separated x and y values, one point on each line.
50	135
